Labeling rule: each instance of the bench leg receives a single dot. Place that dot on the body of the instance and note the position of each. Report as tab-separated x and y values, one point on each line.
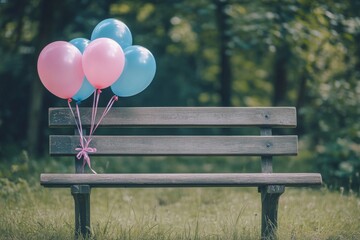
81	194
269	202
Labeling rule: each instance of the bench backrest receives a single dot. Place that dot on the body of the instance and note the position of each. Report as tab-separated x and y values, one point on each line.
265	144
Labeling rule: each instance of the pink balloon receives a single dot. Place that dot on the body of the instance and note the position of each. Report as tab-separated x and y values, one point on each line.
103	62
60	69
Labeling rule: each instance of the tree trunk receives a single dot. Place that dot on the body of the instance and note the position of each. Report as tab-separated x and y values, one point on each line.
37	91
224	59
280	74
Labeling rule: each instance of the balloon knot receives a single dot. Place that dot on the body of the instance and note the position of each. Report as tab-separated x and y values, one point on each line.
84	152
116	98
69	100
99	91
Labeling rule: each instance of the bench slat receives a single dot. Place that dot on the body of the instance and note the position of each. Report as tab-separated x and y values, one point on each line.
179	145
181	117
182	180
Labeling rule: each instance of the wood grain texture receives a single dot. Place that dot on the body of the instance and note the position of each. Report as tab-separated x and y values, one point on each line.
182	180
181	117
179	145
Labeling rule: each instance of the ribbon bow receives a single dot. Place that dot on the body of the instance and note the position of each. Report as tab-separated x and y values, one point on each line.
84	151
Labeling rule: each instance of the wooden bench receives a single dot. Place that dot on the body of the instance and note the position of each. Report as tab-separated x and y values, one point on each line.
264	144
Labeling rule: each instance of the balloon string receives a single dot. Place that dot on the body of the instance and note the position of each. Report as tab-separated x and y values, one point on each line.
107	109
94	111
75	118
84	149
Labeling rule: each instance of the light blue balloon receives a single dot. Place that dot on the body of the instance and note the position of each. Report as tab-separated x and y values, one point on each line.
80	43
86	88
115	30
138	73
84	92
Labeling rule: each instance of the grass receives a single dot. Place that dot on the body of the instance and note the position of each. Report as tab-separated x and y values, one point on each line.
28	211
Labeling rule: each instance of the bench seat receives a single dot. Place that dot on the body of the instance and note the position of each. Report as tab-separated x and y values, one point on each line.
181	180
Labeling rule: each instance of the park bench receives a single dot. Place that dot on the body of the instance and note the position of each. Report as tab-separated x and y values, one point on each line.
264	144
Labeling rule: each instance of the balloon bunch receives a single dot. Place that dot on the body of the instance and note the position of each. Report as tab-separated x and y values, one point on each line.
77	69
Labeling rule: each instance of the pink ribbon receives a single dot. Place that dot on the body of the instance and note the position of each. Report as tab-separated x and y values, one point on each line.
83	153
84	150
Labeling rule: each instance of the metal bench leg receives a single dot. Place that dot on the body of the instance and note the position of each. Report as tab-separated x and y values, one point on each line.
269	202
81	194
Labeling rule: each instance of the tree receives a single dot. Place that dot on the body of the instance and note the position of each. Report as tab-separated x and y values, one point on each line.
225	76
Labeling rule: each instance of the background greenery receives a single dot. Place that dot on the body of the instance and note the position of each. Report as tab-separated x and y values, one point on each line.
299	53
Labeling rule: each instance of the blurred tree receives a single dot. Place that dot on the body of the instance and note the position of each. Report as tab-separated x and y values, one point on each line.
224	32
45	33
243	53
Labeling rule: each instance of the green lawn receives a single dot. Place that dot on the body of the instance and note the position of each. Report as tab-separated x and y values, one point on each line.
29	211
213	213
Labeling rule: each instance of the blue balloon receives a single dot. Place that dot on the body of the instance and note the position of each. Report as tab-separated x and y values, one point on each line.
86	88
115	30
80	43
138	73
84	92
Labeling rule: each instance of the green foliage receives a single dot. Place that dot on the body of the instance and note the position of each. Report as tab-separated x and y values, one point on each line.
298	53
12	192
332	112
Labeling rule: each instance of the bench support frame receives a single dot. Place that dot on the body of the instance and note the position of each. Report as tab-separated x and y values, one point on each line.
269	210
269	197
81	194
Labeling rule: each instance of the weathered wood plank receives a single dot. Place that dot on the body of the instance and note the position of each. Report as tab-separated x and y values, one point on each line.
181	117
179	145
182	180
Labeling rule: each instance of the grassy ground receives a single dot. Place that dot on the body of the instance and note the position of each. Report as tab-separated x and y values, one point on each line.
28	211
